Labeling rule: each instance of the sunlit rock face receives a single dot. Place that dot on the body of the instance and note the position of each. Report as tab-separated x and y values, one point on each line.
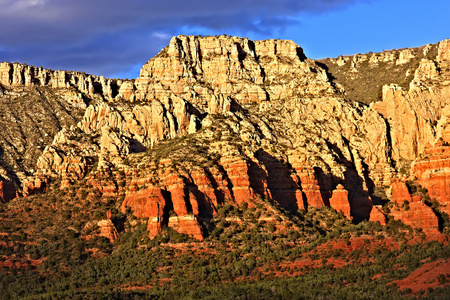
226	120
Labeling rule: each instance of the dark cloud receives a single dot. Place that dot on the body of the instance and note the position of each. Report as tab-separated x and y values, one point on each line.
111	36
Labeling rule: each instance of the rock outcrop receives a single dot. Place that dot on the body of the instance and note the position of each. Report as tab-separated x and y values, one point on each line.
411	210
432	170
400	193
7	191
202	68
339	201
377	215
418	215
151	203
18	75
108	230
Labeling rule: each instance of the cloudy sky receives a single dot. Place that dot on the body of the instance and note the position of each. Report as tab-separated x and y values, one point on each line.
115	38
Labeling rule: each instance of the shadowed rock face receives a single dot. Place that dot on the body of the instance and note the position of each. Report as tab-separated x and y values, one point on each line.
216	120
7	191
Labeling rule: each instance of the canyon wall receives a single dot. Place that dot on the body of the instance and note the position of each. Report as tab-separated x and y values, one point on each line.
216	120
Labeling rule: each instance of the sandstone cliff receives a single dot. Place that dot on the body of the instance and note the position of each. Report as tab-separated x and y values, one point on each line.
80	84
226	120
35	104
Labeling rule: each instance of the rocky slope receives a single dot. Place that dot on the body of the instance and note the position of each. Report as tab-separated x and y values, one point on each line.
224	120
35	104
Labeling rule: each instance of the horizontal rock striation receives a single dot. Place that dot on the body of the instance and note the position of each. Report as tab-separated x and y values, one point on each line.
19	75
201	69
432	170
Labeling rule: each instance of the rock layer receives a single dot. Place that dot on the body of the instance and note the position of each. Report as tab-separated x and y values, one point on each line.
17	75
433	173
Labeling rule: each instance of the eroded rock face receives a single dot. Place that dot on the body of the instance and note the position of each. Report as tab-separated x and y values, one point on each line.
339	201
7	191
411	210
147	203
433	173
144	125
186	224
16	75
310	188
68	156
410	116
377	215
418	215
247	71
36	185
108	230
249	120
418	116
415	107
157	205
400	193
444	50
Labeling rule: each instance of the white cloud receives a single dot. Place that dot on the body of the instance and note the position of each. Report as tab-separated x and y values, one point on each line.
18	6
161	35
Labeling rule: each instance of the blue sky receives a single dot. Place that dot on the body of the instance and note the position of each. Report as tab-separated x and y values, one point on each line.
115	38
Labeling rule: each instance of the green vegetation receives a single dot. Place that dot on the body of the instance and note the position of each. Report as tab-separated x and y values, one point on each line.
264	251
364	82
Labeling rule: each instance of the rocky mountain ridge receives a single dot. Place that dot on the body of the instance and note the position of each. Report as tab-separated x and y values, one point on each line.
225	120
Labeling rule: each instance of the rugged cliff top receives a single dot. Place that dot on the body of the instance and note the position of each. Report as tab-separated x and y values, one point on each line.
364	75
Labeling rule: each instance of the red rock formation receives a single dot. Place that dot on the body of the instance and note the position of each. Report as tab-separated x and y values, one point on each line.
418	215
309	192
332	140
151	203
186	203
311	188
400	192
185	221
176	188
237	172
147	203
339	201
377	215
433	173
412	211
187	224
101	181
272	178
205	192
7	191
108	230
35	185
